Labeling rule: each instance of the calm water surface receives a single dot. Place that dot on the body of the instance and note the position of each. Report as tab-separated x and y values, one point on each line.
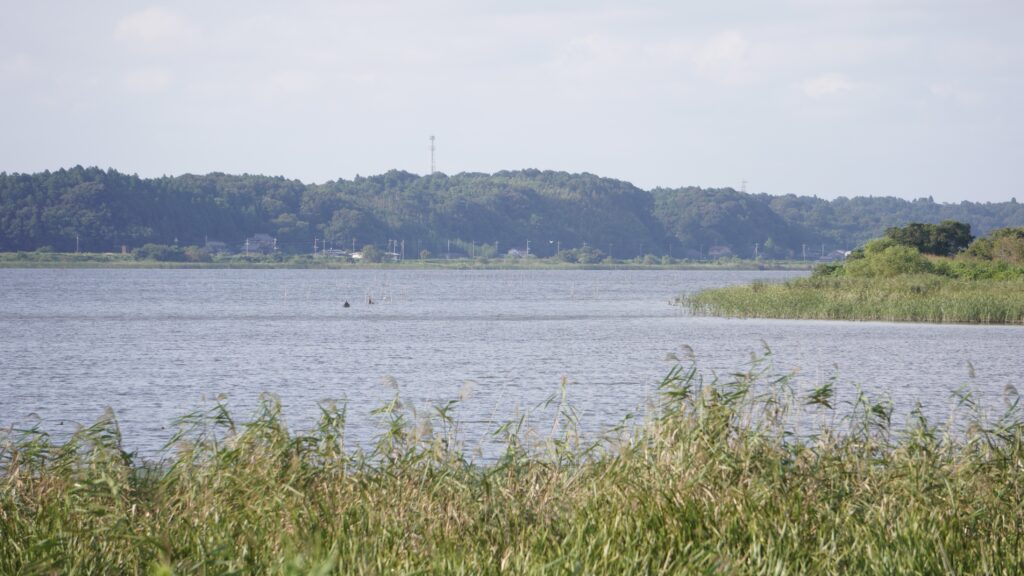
156	344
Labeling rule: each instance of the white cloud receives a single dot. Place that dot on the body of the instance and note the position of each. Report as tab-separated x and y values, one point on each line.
155	28
826	85
725	56
146	80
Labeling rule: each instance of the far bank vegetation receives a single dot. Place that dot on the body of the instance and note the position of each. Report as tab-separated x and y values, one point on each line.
915	273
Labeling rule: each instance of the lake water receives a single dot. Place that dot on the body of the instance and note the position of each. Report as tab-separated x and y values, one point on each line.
156	344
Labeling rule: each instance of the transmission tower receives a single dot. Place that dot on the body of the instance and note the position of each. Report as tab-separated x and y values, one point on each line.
433	168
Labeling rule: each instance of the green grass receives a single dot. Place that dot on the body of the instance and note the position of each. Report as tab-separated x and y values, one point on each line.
904	298
717	480
883	281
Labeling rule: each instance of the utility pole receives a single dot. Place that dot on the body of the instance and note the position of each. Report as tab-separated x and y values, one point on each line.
755	250
804	248
76	243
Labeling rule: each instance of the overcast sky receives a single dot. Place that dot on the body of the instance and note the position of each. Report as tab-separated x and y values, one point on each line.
907	98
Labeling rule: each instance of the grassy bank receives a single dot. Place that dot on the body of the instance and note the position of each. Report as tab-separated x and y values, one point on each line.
904	298
892	281
715	482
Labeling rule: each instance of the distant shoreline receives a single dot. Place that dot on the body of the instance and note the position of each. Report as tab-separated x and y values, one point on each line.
116	261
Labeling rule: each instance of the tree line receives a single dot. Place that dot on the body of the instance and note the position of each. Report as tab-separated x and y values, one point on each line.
94	210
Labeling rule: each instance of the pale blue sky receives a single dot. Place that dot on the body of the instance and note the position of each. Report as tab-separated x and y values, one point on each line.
844	97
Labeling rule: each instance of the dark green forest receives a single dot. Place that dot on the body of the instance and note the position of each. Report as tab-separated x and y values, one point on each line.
94	210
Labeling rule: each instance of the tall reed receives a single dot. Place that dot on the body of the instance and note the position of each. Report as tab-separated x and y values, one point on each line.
717	480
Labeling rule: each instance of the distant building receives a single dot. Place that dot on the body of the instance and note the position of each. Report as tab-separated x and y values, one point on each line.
719	252
259	244
835	256
216	247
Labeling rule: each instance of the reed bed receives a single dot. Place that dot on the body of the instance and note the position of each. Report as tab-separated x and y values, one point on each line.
715	480
904	298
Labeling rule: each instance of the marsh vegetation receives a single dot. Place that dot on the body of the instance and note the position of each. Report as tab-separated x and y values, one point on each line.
909	275
742	475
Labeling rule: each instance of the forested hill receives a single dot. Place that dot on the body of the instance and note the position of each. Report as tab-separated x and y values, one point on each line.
105	210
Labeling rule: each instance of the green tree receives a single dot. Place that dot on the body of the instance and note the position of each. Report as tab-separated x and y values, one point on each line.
944	239
950	237
1004	244
107	209
372	254
197	254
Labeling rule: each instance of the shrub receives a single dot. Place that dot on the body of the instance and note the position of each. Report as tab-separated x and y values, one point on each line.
887	262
